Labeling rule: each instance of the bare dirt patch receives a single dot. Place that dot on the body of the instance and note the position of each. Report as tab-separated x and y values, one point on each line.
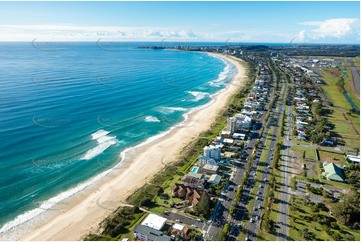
334	72
296	164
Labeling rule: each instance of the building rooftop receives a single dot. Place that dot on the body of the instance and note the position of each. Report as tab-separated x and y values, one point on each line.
178	227
152	234
210	167
333	172
216	179
154	221
195	175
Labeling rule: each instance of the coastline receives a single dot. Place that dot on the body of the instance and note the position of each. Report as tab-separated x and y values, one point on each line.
84	211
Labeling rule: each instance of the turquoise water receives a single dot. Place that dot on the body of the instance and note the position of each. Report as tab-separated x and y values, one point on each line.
69	111
195	169
349	100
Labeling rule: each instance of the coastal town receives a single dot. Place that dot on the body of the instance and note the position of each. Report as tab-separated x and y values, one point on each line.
180	120
280	158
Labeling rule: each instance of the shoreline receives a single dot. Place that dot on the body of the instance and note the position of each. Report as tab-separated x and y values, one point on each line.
86	210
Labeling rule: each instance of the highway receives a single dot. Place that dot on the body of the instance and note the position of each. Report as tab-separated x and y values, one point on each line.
276	113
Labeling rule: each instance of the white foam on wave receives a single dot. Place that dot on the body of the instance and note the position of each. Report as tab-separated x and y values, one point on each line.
22	218
90	154
221	76
169	110
198	95
46	205
99	134
104	142
152	119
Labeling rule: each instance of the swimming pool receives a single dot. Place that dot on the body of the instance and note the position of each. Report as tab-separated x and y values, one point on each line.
195	169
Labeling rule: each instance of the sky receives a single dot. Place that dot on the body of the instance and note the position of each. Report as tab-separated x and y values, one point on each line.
262	22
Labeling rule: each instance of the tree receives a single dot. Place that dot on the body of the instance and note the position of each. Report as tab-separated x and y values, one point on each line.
347	211
204	205
195	235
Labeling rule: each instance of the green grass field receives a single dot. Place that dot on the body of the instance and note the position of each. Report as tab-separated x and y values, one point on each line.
331	76
347	126
310	153
356	61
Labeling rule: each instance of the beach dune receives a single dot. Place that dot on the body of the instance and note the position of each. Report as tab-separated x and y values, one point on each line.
83	212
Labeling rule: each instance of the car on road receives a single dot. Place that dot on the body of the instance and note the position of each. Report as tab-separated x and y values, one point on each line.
259	192
257	218
178	221
199	220
251	220
260	186
269	167
259	206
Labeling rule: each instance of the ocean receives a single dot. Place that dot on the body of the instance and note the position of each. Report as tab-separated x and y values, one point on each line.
69	111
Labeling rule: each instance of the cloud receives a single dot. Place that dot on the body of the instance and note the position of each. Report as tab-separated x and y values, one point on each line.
334	28
301	35
76	33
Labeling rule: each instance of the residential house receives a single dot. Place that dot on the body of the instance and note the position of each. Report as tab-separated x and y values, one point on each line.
209	169
180	232
190	194
215	179
193	180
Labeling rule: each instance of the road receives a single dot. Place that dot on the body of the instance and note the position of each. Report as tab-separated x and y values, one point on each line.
285	193
276	114
221	214
355	76
256	215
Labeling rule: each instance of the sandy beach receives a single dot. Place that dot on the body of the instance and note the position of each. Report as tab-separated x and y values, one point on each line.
86	210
